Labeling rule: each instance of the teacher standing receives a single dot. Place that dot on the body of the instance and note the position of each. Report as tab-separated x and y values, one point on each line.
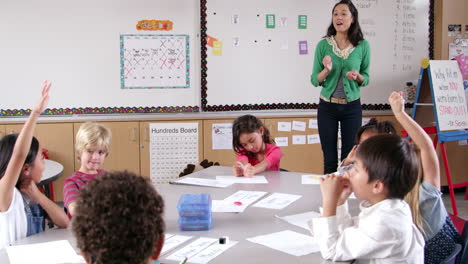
341	68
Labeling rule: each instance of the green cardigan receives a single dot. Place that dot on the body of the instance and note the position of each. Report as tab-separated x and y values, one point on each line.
358	60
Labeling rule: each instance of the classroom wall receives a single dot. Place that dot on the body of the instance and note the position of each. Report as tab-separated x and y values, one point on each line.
76	44
448	12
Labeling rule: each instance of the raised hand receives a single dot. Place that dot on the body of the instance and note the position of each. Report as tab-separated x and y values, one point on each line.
44	99
397	102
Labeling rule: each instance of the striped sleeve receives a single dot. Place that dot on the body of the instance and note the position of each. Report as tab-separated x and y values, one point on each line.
70	192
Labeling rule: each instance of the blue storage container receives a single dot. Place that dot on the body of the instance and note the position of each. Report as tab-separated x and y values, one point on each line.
198	204
193	223
194	212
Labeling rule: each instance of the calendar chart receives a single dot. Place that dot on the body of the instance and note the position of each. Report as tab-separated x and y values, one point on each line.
173	146
154	61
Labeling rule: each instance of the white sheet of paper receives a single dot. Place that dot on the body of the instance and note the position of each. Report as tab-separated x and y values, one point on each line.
277	201
192	249
284	126
244	197
281	141
299	139
313	124
300	220
299	125
211	252
313	139
311	179
59	251
221	136
221	206
201	182
250	180
173	242
289	242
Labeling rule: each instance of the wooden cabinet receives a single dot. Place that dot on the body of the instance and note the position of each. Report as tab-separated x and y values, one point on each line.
225	157
124	152
145	144
130	149
58	140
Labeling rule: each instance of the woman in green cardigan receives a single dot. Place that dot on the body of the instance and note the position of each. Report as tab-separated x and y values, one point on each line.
341	67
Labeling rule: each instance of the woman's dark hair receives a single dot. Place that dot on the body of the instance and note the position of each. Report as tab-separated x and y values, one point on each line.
247	124
392	160
382	127
7	144
118	219
354	33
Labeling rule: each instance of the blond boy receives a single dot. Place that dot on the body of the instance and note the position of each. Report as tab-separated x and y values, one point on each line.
92	146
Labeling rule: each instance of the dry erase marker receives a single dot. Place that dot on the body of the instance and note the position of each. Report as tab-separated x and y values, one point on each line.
184	261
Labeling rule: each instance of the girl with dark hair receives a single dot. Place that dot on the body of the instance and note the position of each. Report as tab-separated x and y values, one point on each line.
21	167
341	68
255	150
372	128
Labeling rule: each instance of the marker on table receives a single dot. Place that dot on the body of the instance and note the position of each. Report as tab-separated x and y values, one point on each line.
315	177
184	261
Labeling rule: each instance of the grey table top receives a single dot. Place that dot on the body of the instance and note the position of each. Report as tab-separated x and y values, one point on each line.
252	222
52	171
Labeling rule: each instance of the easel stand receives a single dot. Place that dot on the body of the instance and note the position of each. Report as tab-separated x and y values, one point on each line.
438	81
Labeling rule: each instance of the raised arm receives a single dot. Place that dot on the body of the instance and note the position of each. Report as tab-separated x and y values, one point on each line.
20	151
429	159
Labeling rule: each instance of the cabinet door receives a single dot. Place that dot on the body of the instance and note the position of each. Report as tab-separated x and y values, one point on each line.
58	140
145	156
225	157
306	157
124	150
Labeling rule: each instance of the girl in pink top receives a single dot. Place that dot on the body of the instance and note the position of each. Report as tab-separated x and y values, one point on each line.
255	150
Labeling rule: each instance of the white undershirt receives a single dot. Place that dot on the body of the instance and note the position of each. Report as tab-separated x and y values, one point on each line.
13	222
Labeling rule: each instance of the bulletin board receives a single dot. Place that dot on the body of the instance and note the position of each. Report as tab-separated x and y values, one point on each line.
77	45
259	55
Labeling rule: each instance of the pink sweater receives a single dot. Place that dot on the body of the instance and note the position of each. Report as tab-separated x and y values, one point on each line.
272	156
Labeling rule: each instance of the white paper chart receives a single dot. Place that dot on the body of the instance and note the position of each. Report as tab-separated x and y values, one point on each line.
173	146
154	61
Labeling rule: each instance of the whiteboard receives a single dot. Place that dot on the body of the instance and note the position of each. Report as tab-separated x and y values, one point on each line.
256	71
76	45
449	95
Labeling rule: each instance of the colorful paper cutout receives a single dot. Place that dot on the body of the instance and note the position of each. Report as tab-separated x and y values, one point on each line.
303	47
154	25
217	48
302	22
210	40
270	21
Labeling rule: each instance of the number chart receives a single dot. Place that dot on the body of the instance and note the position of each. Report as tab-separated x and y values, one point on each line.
172	147
154	61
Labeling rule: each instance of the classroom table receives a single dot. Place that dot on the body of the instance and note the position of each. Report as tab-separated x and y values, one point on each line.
52	171
238	226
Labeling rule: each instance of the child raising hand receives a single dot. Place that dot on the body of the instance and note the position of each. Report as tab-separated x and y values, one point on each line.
21	167
255	150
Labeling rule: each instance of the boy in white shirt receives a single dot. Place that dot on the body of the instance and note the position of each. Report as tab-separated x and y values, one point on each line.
385	169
